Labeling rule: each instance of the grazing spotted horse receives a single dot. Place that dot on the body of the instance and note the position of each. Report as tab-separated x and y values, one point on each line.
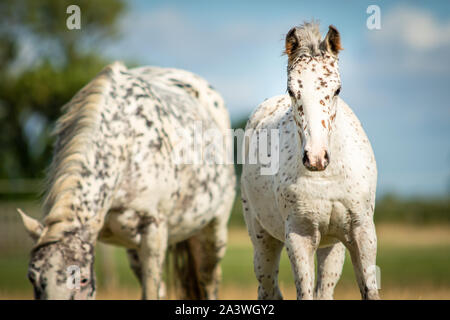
114	177
321	200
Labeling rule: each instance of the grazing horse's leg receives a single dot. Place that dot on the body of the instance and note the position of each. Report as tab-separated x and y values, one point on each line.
302	240
209	247
152	253
363	250
135	263
136	266
330	261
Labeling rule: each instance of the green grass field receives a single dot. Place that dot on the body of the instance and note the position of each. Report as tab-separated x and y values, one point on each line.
414	263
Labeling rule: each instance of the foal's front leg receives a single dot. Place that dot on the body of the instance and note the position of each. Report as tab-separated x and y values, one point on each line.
266	260
363	250
330	261
302	240
152	253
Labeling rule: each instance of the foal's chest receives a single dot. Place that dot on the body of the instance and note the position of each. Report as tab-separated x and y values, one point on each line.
316	199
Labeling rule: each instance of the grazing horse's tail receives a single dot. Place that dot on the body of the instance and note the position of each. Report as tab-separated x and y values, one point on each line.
185	271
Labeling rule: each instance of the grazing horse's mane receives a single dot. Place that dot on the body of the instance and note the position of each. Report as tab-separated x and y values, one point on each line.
74	131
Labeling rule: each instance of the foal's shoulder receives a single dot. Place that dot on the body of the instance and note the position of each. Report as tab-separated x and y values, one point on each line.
269	112
350	117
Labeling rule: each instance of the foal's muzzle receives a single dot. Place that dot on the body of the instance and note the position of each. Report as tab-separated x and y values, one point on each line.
316	162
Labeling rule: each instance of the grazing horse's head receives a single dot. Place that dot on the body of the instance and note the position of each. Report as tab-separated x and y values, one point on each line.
314	85
60	269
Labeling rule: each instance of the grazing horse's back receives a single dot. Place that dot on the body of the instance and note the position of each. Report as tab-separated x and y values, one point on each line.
190	194
119	175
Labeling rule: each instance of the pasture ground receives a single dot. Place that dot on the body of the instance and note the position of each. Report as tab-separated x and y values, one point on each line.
414	263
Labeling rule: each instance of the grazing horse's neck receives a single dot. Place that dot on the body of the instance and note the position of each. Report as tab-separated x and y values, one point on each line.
80	211
84	172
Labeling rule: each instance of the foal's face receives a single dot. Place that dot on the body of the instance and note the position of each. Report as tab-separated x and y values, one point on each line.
314	85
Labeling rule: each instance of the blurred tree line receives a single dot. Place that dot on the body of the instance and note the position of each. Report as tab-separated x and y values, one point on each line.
42	65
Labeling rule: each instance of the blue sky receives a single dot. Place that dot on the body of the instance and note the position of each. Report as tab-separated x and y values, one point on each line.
395	79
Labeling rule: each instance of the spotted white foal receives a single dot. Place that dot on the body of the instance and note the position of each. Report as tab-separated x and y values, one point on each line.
321	200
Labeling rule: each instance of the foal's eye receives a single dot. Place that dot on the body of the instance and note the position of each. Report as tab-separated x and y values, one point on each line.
337	91
290	93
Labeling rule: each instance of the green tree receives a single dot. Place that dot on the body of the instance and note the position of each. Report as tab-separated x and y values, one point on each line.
42	65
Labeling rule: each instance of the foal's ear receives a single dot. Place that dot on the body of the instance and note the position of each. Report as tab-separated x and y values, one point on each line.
291	43
332	41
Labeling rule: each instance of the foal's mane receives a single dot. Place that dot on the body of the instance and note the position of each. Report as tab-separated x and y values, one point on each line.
74	131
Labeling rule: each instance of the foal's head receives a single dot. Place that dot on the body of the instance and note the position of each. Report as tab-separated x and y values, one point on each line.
60	269
314	85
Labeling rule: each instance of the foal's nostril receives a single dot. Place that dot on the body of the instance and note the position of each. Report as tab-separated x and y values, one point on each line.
327	157
305	158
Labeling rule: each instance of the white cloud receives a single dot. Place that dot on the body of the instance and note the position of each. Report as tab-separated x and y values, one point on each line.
415	28
411	41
